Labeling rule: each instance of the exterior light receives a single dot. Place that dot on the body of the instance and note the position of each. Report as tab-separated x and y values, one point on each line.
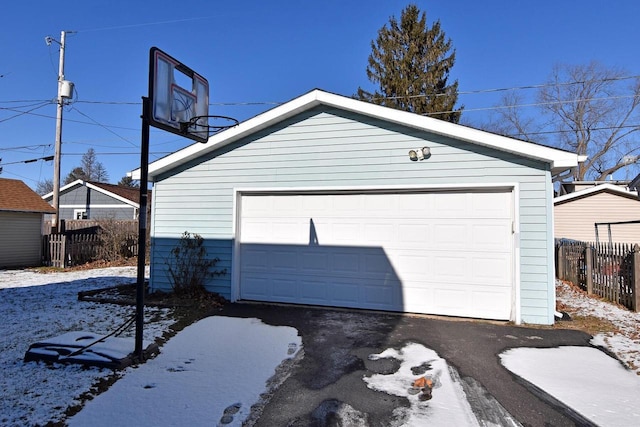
419	154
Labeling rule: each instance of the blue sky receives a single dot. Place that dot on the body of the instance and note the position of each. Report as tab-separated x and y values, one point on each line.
261	52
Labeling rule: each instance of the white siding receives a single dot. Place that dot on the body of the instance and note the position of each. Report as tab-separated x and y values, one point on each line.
21	239
326	147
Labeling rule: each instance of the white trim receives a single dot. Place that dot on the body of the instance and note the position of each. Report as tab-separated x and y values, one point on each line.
512	187
374	188
559	160
82	211
92	206
80	182
235	250
517	292
595	189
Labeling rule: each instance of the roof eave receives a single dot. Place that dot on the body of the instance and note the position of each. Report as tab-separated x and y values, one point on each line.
559	160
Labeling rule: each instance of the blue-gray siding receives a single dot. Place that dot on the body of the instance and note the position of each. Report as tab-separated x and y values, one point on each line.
328	147
97	204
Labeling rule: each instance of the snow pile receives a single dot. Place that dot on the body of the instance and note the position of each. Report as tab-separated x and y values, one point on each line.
625	343
38	306
448	406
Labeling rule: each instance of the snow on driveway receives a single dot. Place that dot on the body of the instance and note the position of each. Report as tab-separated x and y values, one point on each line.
228	373
211	373
448	405
585	379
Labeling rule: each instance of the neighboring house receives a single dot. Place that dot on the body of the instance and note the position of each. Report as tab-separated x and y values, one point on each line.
574	186
576	214
95	200
318	202
21	223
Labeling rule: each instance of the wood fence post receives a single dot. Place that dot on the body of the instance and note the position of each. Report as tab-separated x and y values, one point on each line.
588	274
635	301
63	251
560	256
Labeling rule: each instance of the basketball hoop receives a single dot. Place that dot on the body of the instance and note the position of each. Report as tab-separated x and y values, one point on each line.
207	126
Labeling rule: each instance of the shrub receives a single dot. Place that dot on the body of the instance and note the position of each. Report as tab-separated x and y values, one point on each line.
116	241
188	266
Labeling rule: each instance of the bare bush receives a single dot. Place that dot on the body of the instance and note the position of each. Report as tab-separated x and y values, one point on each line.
188	266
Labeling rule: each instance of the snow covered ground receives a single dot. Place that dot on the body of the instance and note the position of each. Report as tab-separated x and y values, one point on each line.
596	386
217	368
35	307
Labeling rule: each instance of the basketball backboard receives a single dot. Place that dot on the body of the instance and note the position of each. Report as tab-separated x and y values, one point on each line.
178	97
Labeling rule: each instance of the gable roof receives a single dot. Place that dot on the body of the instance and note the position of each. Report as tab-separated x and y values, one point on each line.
16	196
559	160
130	196
596	189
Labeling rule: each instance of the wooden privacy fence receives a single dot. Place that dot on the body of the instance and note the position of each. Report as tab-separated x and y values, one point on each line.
611	271
63	250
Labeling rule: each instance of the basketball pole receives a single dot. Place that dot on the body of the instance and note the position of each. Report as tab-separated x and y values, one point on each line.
142	228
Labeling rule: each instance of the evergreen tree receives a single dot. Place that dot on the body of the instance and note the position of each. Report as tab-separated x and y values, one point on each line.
411	62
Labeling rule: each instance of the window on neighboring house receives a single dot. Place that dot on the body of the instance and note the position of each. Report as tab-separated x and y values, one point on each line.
80	214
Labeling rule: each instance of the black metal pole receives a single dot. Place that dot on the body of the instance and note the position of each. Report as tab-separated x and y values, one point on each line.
142	228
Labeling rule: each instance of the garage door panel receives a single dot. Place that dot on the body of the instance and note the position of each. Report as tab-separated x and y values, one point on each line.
344	294
496	269
254	258
255	287
284	289
490	205
383	297
490	236
314	261
345	262
439	253
314	291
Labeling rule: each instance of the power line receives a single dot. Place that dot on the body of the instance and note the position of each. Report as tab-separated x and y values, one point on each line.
46	159
21	113
145	24
104	127
537	104
29	147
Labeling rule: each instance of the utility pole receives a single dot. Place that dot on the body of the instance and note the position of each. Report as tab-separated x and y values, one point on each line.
65	90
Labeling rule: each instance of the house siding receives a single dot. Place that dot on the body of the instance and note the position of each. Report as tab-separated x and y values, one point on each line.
97	204
21	239
575	219
325	147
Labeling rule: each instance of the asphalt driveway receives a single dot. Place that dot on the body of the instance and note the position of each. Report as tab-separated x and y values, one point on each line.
325	387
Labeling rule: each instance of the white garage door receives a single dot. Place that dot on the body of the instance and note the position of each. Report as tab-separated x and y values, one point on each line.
447	253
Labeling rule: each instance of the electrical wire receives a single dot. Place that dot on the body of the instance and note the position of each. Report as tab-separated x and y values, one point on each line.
104	127
145	24
21	113
29	147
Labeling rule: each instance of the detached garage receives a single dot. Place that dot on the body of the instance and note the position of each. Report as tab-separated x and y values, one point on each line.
22	213
319	201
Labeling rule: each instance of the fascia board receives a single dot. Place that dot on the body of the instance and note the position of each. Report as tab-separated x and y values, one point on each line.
64	188
592	190
558	159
